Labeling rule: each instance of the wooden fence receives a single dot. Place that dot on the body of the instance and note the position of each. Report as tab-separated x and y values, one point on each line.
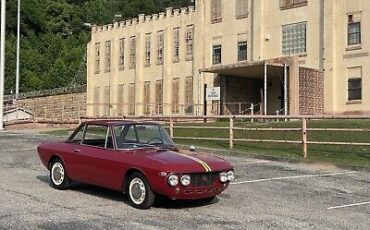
175	123
190	122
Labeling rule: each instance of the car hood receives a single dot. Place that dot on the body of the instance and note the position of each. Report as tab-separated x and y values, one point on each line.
186	161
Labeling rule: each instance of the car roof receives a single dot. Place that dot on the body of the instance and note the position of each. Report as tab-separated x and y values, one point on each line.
117	122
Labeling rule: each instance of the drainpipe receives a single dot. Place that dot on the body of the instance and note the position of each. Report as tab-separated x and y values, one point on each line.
252	31
322	34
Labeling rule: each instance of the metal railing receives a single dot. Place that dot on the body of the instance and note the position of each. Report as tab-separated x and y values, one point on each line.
48	92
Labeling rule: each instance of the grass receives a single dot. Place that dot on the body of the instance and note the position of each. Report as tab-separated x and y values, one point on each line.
58	132
348	156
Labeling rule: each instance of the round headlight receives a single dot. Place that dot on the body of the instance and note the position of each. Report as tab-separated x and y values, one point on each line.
173	180
223	177
185	180
230	175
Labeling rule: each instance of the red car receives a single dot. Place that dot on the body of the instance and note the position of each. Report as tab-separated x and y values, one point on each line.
139	159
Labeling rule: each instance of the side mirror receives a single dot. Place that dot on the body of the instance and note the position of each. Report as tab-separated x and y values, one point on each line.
192	148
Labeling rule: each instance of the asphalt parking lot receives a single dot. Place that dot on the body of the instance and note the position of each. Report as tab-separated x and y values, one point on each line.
266	195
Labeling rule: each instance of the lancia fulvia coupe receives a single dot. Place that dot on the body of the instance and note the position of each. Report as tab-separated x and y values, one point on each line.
136	158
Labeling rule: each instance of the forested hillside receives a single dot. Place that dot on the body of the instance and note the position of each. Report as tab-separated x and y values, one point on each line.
53	37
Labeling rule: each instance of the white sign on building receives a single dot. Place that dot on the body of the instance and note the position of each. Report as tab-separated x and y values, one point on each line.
213	94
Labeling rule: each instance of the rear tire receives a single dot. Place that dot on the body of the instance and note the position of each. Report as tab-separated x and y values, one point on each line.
138	191
58	175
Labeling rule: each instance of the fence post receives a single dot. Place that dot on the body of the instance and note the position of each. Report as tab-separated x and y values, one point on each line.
231	133
171	127
34	111
62	112
78	113
277	114
252	112
304	137
45	111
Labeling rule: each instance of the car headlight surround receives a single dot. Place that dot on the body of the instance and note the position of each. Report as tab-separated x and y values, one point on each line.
185	180
224	177
173	180
231	175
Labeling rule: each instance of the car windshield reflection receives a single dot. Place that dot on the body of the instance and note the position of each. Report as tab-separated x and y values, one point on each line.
142	136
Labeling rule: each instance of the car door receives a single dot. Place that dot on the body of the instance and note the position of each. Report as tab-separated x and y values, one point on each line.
97	160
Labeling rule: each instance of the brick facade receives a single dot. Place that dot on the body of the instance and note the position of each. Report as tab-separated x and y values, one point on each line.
311	91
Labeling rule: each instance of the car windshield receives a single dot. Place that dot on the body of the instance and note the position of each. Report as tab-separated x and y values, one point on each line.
141	135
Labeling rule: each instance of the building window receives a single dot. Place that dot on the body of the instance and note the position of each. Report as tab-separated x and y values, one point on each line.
160	47
106	101
287	4
159	97
108	53
97	57
354	89
216	11
147	97
131	99
189	104
132	52
147	50
242	51
354	33
294	38
121	63
176	45
216	55
189	40
175	96
96	102
241	9
120	100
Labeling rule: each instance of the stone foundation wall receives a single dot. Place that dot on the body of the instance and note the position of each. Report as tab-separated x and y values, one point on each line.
60	107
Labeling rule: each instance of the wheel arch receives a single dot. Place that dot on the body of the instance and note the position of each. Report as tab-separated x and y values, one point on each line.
54	157
128	173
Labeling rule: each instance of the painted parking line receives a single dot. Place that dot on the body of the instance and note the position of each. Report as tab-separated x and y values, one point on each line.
291	177
249	163
349	205
16	150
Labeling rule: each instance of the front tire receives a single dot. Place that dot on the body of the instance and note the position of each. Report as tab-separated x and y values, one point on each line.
58	175
139	192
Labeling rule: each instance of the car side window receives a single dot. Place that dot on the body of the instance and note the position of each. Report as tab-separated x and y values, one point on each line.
77	136
96	135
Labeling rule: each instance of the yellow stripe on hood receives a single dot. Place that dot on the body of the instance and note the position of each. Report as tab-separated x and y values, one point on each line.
204	164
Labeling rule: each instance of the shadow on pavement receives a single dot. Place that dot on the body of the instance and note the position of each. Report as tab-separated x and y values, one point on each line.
160	202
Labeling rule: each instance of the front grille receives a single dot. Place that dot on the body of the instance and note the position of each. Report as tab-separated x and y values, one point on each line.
203	179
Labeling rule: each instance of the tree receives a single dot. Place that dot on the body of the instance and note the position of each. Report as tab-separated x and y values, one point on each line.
53	38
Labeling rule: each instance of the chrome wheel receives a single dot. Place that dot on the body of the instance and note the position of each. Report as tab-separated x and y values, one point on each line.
137	191
57	173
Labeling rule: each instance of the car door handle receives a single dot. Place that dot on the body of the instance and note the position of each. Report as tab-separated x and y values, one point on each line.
77	150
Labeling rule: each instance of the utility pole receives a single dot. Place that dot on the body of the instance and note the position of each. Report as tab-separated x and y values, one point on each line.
18	50
2	62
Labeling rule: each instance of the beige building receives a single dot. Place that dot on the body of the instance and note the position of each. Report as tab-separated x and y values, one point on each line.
275	56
